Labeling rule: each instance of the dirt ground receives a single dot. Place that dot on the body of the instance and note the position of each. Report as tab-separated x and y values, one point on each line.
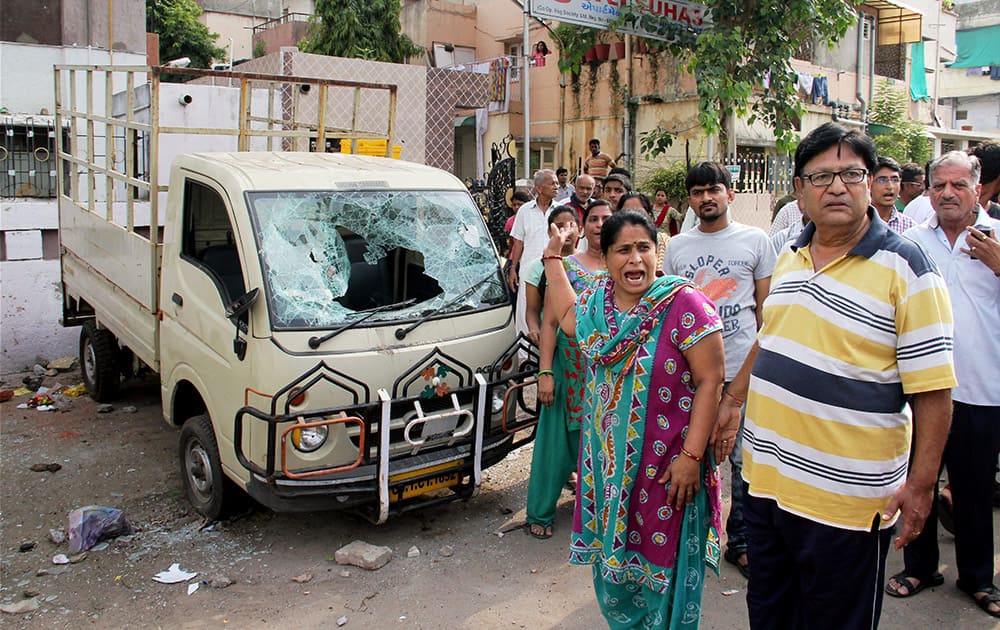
465	576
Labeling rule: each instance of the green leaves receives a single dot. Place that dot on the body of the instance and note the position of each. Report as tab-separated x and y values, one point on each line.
574	42
181	34
905	140
751	40
359	29
655	142
673	180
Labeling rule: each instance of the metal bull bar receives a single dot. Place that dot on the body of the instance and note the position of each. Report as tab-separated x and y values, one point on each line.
442	447
476	424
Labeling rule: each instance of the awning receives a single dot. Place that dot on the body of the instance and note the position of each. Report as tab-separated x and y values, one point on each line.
918	73
465	121
977	47
897	23
959	134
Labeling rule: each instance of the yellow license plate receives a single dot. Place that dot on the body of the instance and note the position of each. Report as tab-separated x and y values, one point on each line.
423	486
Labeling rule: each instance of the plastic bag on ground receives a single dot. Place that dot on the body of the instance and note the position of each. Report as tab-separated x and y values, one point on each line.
91	524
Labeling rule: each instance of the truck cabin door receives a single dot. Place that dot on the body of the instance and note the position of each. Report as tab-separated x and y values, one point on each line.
204	277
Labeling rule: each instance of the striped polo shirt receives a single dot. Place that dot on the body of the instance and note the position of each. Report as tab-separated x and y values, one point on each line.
826	435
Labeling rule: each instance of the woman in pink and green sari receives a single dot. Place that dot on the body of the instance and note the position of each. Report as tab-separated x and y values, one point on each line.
647	511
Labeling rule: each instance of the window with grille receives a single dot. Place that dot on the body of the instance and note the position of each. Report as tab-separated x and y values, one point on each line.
28	157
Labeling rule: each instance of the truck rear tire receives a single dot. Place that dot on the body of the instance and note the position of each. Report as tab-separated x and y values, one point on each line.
99	362
211	494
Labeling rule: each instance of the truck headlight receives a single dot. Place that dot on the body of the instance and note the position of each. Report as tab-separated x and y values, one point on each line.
308	439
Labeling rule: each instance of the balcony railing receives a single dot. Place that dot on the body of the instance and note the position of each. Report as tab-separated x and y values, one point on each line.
284	19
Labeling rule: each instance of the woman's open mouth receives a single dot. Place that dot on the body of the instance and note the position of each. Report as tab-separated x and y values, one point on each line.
634	277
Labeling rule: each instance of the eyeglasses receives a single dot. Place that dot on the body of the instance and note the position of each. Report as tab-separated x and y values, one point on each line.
825	178
885	179
921	184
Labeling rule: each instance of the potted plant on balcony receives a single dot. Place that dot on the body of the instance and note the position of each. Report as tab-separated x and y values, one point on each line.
618	49
602	50
574	43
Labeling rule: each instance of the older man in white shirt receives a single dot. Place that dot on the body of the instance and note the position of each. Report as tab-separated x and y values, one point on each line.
961	239
529	235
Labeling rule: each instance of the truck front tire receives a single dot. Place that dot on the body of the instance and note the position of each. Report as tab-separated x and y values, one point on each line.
99	362
207	488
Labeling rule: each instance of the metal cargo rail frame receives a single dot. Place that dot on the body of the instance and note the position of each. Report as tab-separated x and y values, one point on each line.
91	153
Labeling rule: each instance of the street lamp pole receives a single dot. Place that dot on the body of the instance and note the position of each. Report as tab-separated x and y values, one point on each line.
526	82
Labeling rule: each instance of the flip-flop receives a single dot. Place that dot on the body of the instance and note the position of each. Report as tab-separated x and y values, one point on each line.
545	534
903	579
991	595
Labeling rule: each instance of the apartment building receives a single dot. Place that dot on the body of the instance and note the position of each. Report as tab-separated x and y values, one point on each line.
907	43
970	86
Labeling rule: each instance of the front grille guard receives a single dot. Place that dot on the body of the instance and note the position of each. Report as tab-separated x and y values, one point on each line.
457	419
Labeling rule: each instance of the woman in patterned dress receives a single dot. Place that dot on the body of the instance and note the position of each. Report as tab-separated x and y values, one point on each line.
647	510
560	374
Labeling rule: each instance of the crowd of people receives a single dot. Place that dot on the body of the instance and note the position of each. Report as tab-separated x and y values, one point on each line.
839	363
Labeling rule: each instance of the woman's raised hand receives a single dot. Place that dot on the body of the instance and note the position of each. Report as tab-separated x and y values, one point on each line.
559	237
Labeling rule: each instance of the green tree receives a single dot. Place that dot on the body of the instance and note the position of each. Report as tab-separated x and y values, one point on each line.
673	179
750	40
365	29
181	34
897	136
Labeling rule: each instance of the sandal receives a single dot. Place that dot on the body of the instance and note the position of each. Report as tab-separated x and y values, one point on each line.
905	579
539	531
732	556
990	595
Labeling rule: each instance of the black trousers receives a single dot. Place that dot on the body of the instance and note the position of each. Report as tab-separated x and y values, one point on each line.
971	458
804	574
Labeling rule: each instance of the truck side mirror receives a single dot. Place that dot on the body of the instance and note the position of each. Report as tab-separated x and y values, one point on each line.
235	313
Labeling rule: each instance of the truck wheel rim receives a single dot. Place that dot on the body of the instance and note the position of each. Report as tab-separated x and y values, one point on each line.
199	470
90	361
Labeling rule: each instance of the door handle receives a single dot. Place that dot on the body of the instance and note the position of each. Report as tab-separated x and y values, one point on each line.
177	299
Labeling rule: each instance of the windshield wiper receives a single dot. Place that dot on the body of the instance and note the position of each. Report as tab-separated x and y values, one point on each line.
314	342
401	333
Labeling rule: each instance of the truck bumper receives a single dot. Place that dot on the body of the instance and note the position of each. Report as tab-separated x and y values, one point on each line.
406	458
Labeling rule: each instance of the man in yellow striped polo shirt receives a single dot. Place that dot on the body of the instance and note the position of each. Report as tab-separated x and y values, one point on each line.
857	320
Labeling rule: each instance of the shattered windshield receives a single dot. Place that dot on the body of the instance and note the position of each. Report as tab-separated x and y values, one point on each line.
330	256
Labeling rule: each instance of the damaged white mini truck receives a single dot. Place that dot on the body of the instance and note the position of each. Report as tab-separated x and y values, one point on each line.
330	331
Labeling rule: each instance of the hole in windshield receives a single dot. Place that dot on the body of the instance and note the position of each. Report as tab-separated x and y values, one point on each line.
327	256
